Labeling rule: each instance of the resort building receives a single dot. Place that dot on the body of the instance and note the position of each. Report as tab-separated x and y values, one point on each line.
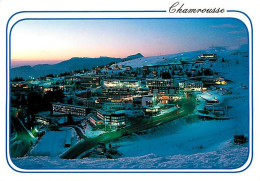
211	57
88	102
128	68
132	113
191	86
17	87
161	86
113	106
111	119
91	82
148	100
211	80
59	108
124	83
167	99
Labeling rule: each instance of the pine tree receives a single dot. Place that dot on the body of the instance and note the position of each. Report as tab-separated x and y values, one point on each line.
70	119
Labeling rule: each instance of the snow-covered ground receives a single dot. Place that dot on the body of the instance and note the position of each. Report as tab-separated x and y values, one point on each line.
191	135
174	58
53	142
184	143
90	133
227	158
158	60
184	136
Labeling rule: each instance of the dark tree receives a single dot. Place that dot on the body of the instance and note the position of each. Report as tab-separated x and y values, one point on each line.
207	72
120	74
199	73
34	102
17	79
70	119
166	75
52	96
188	74
70	101
50	75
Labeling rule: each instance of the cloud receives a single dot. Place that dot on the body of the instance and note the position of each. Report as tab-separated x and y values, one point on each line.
243	40
224	26
236	32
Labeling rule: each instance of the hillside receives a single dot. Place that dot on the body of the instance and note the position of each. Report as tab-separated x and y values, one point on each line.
186	143
174	58
74	63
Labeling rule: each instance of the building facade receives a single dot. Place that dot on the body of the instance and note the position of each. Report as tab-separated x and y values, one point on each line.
191	86
124	83
211	57
113	106
91	82
162	86
111	119
59	108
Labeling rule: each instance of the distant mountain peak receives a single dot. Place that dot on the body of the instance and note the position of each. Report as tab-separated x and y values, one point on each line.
135	56
71	64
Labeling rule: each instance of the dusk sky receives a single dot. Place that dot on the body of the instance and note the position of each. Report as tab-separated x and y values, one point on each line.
41	41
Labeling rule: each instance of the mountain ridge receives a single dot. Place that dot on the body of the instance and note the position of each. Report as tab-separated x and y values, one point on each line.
74	63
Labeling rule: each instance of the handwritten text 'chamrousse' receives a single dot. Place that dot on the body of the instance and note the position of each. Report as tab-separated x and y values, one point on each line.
179	8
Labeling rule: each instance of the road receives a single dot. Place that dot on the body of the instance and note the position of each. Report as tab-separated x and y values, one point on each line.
78	150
